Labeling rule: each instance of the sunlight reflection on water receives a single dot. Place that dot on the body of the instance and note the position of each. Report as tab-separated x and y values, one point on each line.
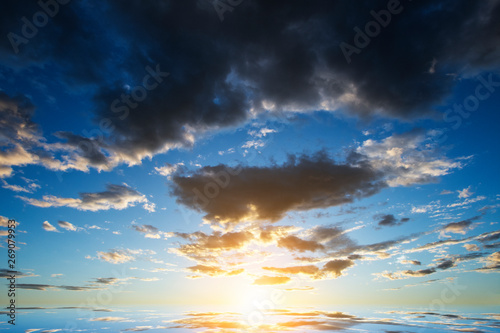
185	319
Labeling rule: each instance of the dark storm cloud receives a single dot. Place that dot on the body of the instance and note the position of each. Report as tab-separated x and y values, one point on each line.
303	183
72	40
279	55
389	220
22	143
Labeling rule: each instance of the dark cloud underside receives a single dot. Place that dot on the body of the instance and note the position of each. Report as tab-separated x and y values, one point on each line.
279	55
229	194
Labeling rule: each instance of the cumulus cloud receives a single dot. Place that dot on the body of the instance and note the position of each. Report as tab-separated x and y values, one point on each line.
409	158
218	246
241	82
234	194
115	197
218	253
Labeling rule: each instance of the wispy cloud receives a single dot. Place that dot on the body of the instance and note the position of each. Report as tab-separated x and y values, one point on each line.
271	280
44	287
115	197
150	231
122	255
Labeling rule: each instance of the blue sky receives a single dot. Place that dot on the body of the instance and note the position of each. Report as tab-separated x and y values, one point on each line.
258	161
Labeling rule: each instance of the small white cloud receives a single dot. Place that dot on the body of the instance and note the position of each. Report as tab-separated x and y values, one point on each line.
432	207
150	207
432	69
465	193
256	144
261	133
229	151
115	256
4	221
168	169
96	227
67	226
471	247
49	227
